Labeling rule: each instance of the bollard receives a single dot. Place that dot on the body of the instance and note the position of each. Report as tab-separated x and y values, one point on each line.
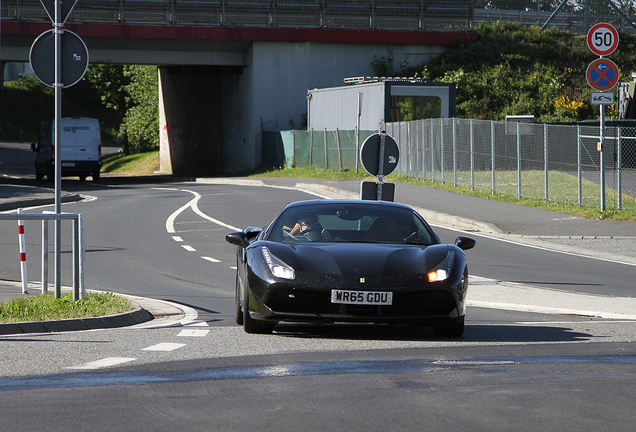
23	267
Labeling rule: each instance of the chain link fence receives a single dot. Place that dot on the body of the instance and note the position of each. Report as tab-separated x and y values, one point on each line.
559	163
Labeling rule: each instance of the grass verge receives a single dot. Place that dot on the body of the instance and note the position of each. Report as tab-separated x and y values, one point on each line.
146	163
46	307
563	190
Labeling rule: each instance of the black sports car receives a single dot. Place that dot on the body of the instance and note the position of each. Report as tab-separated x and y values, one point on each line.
327	261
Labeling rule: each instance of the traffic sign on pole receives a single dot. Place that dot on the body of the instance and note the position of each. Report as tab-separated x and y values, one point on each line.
74	58
602	74
372	154
602	39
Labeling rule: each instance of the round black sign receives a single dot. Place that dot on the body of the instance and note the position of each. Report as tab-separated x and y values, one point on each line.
370	155
74	58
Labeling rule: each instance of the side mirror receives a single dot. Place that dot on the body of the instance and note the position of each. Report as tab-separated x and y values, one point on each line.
237	238
465	243
33	147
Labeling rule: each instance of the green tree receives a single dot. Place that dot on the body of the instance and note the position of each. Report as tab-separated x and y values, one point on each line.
141	122
110	83
514	69
131	90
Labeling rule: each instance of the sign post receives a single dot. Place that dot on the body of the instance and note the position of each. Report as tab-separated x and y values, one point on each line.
65	67
379	156
602	75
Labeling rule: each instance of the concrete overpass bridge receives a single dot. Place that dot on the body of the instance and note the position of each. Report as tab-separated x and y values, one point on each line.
229	69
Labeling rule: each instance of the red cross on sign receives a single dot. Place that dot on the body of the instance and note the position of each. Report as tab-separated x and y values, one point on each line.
602	74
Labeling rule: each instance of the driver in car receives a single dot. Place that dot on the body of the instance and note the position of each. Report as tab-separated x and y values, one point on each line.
309	227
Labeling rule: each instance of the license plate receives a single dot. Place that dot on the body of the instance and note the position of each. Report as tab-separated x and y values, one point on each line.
362	297
68	164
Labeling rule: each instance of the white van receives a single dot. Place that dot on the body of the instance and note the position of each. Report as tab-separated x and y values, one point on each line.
81	149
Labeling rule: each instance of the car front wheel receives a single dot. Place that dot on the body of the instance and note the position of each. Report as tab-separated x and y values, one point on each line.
250	325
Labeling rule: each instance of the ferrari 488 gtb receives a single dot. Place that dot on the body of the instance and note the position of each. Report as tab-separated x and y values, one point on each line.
349	261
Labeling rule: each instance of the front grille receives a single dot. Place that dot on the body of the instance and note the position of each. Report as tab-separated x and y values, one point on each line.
405	304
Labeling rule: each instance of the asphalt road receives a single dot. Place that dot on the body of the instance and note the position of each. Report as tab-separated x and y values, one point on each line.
514	370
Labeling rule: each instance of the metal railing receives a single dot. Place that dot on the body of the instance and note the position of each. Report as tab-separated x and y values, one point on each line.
78	235
559	163
357	14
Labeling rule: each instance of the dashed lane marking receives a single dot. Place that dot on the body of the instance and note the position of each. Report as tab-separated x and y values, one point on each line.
214	260
177	238
103	363
188	248
164	347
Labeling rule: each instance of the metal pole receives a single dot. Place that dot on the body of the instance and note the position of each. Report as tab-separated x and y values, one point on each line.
553	15
443	156
619	12
326	154
602	161
311	146
472	155
76	272
23	264
619	163
492	155
82	257
58	144
358	129
518	159
45	257
579	167
454	151
432	143
381	165
545	161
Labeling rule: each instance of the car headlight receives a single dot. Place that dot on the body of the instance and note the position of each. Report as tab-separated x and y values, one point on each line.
443	269
277	266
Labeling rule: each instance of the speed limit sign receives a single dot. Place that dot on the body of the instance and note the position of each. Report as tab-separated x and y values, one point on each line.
602	39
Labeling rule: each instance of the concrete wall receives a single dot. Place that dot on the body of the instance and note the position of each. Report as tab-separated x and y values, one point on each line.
274	85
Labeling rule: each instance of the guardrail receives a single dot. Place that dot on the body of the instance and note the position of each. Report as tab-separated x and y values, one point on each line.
357	14
79	289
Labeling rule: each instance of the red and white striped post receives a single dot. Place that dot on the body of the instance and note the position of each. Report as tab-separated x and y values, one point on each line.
23	266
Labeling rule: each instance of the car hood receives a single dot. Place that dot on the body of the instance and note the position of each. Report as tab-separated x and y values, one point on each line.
360	259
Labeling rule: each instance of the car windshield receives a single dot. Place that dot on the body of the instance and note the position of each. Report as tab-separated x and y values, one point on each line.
364	223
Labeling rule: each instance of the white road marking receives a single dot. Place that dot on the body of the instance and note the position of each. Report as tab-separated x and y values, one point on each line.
189	248
177	238
193	333
214	260
103	363
193	204
544	247
196	324
164	347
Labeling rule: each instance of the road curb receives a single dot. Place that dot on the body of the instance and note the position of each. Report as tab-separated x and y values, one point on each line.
137	315
34	202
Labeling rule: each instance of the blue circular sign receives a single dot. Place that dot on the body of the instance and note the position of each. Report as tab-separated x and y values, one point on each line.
602	74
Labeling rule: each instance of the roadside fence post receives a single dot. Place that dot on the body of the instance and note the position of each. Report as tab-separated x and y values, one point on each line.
518	159
23	266
619	163
45	257
545	162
